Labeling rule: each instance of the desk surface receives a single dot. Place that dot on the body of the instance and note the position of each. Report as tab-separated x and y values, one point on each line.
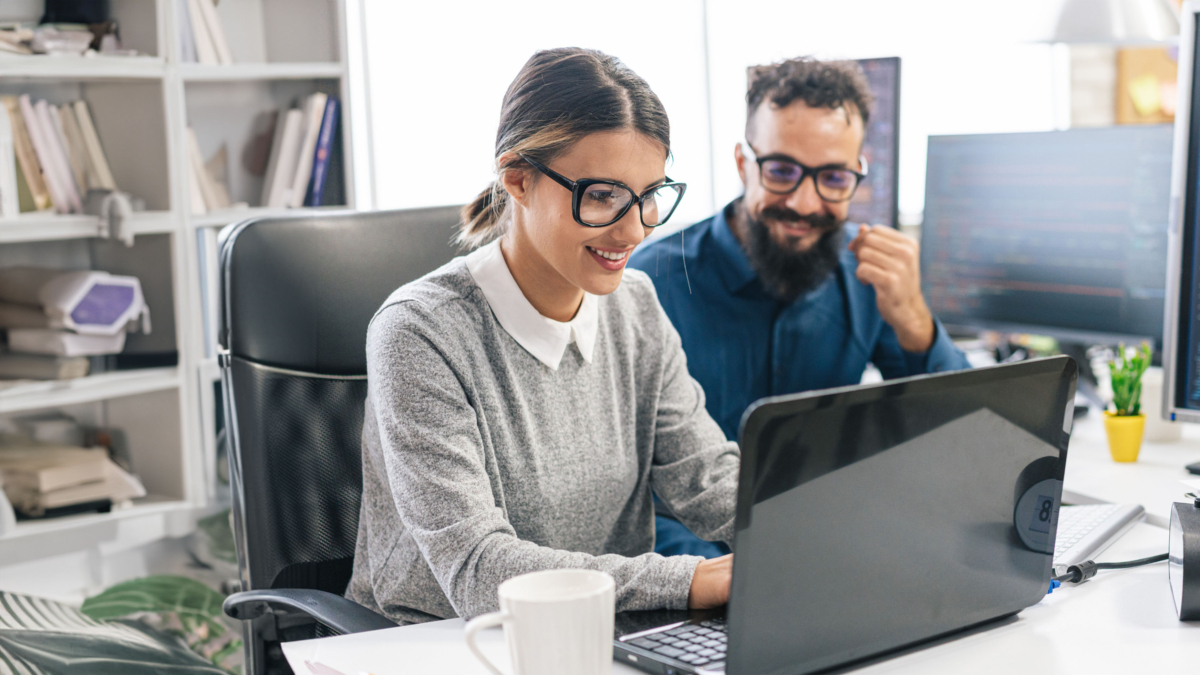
1153	481
1122	621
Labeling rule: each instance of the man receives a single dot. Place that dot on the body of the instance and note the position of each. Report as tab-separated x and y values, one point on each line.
767	296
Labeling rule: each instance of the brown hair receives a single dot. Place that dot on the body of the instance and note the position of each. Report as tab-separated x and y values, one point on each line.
560	96
820	84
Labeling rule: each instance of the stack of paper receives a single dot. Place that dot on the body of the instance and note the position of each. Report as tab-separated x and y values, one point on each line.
38	478
53	317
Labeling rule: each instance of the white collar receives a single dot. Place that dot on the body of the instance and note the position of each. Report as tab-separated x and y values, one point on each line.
543	337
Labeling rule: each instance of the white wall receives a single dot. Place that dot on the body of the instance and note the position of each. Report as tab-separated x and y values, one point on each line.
439	70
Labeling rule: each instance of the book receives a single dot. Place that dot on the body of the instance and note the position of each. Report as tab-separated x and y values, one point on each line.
216	32
41	146
116	485
74	160
24	196
42	367
38	478
76	150
216	170
206	51
59	161
20	315
334	193
196	165
282	167
187	38
10	203
321	158
31	171
195	193
42	468
95	152
314	111
54	342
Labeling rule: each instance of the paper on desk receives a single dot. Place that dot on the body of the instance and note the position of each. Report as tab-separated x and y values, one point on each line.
435	648
1193	485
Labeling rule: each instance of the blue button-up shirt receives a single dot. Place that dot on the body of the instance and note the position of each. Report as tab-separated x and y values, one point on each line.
743	344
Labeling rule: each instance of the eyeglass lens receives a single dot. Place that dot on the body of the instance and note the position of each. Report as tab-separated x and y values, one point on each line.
832	184
602	203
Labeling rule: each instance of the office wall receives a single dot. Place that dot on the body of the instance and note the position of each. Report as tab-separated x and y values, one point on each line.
437	73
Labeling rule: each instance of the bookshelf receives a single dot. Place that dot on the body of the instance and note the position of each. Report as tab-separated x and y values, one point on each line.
143	105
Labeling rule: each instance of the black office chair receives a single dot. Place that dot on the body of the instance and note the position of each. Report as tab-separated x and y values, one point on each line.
297	294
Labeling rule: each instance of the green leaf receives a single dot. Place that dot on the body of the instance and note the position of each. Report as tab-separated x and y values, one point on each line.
1126	372
180	595
44	636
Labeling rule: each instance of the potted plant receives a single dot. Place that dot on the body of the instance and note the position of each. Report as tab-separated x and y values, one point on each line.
1125	424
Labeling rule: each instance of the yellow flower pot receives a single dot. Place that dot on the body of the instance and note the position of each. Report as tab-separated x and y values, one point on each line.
1124	435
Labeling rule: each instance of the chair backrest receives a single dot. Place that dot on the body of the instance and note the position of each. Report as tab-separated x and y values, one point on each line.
297	294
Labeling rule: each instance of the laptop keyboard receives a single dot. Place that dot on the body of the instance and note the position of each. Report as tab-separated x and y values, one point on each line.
701	644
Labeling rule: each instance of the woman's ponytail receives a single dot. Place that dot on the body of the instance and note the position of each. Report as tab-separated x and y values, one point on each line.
482	219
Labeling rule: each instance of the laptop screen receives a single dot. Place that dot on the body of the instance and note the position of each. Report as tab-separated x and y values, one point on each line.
870	518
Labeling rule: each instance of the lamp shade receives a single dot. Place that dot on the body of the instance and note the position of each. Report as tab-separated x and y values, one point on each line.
1117	22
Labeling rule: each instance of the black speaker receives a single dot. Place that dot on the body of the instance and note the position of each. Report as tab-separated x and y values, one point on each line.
1183	559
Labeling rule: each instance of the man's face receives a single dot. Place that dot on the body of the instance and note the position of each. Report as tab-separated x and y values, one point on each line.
814	137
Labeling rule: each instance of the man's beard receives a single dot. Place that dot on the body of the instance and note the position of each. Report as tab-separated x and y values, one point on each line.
785	272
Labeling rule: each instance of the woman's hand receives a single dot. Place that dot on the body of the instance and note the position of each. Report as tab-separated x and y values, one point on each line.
710	583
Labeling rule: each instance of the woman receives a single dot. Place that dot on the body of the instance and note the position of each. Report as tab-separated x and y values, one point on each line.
523	402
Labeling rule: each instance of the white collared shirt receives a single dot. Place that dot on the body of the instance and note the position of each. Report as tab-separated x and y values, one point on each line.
543	337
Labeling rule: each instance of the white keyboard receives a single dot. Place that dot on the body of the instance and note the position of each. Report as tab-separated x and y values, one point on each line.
1085	531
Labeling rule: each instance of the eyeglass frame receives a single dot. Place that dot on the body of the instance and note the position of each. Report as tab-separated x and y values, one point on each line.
805	172
578	187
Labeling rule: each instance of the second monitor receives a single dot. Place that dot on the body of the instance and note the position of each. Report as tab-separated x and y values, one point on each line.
1061	233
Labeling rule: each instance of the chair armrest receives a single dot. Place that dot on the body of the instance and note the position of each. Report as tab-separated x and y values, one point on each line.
342	615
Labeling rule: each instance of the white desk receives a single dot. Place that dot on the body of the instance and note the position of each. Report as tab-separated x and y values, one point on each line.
1122	621
1153	481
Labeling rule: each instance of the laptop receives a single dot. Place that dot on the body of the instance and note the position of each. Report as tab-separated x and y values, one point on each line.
872	518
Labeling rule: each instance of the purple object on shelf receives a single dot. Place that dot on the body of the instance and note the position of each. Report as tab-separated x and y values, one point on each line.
103	305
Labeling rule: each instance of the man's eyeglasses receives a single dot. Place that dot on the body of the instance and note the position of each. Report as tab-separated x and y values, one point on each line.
782	175
598	203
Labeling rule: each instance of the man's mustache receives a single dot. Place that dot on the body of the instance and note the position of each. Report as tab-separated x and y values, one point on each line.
820	221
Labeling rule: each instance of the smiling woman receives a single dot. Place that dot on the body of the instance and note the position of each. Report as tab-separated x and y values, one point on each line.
525	400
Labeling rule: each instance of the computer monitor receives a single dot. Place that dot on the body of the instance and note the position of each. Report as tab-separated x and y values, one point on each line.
875	202
1060	233
1181	332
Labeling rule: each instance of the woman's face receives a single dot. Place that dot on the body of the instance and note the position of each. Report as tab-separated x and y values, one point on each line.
589	258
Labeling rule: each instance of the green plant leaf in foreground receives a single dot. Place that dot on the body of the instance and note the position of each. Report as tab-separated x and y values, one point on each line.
43	637
178	605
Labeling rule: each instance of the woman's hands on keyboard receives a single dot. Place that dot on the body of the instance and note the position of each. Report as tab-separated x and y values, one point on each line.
710	583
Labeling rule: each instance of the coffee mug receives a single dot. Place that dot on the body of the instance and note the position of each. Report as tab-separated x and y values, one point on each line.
555	622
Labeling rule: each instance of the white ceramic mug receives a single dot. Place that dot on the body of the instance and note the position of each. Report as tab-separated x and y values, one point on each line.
555	622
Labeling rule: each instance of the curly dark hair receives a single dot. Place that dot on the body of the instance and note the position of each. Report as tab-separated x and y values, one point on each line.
820	84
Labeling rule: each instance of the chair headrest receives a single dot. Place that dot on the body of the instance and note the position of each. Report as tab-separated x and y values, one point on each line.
298	292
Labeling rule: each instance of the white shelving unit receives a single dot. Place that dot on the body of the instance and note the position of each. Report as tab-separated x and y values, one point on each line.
142	106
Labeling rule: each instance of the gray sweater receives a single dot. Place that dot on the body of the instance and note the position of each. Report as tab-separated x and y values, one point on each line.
481	463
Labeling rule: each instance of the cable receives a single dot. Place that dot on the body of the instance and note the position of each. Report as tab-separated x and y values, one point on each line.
1077	574
1132	563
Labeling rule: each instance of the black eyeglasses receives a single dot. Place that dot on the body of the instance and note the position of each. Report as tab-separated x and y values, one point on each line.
782	175
598	203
